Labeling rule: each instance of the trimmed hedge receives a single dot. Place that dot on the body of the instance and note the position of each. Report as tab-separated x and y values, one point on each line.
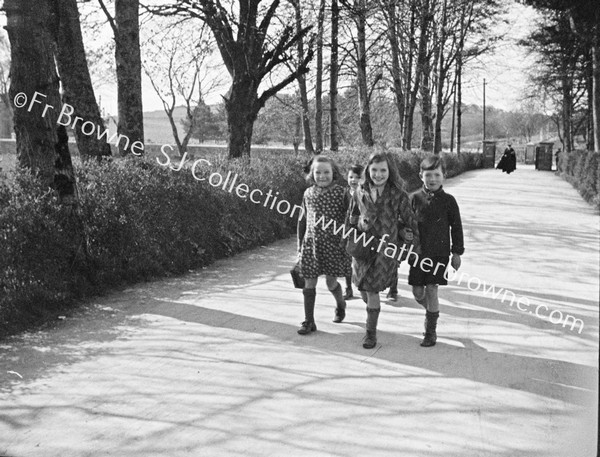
141	220
582	170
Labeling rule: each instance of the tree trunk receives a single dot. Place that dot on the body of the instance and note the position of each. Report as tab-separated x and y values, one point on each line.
596	87
129	73
397	87
366	128
319	81
333	77
567	108
34	81
242	109
76	81
426	114
308	146
421	65
441	79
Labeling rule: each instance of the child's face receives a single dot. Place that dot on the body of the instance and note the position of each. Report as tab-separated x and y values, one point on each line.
353	179
433	179
323	174
379	173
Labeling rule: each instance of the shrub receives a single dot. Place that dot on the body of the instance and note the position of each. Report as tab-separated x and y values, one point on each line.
582	170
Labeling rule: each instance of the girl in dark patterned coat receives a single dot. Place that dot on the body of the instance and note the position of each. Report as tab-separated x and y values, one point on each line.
320	250
383	206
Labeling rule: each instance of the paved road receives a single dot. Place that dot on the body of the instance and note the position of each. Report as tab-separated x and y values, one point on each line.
210	364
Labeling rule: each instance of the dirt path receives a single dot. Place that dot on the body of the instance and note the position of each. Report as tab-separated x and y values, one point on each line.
210	364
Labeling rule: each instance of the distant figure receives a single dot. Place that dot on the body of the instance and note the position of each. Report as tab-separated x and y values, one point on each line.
508	162
558	151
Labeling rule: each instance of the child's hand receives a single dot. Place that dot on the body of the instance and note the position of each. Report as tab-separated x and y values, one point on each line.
455	261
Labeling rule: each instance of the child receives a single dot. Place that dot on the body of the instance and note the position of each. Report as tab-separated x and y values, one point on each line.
354	178
320	251
439	221
380	202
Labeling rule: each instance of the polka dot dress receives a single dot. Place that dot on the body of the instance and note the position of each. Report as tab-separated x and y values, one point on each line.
323	252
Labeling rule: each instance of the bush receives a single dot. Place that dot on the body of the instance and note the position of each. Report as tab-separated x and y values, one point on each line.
582	170
139	220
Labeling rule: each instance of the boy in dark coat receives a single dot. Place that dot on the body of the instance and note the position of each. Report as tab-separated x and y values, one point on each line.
439	223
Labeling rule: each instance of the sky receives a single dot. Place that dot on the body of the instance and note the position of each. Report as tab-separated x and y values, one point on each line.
504	71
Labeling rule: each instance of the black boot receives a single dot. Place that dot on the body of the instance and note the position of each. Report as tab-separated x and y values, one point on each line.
370	339
309	312
393	293
349	294
430	327
340	308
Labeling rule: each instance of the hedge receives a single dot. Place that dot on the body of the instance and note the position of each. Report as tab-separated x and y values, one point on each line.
582	170
140	221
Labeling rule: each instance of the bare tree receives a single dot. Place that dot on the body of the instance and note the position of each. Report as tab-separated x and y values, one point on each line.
176	63
308	144
251	50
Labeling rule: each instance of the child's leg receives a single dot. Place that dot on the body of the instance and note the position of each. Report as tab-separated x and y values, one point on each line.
310	295
349	294
431	298
431	315
393	293
373	309
420	295
340	304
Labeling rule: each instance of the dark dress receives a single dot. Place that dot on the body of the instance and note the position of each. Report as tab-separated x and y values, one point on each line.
508	161
392	208
322	251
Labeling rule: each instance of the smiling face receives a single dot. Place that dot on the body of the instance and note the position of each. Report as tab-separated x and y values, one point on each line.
433	179
379	173
353	180
322	174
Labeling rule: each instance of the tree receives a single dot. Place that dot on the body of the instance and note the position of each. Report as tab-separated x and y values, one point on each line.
126	30
319	79
333	77
75	79
252	50
308	145
567	42
176	64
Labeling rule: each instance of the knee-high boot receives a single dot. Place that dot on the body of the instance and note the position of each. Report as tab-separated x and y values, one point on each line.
370	339
430	329
340	304
309	312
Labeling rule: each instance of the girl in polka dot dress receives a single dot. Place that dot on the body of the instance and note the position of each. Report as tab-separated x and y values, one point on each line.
320	251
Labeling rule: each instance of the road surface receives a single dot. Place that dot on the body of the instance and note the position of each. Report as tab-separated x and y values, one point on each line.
210	364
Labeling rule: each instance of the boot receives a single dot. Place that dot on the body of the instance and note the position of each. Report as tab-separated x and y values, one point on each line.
349	294
370	339
393	293
340	308
430	327
309	312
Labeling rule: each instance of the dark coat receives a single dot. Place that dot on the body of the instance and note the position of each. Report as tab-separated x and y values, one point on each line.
508	162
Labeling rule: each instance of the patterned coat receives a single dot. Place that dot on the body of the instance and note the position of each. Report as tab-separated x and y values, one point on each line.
384	216
321	251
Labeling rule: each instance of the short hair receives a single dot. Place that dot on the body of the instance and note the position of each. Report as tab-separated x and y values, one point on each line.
432	162
394	177
357	169
322	159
